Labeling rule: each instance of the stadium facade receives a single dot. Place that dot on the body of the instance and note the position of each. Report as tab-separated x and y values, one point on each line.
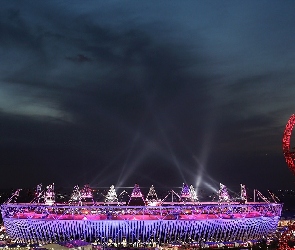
149	221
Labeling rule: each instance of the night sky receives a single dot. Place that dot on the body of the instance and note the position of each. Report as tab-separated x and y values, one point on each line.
147	92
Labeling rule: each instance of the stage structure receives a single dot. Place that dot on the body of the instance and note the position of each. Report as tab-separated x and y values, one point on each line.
142	221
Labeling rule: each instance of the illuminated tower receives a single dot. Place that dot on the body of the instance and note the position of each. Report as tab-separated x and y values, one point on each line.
152	195
49	196
223	194
136	198
38	193
185	193
194	196
111	195
76	196
243	194
86	194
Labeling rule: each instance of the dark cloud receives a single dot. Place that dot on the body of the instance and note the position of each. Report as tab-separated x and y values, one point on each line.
87	98
79	58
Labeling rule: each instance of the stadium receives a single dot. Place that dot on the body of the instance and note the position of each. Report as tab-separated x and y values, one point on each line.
144	221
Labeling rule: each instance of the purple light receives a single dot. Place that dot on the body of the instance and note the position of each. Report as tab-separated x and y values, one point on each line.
41	223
